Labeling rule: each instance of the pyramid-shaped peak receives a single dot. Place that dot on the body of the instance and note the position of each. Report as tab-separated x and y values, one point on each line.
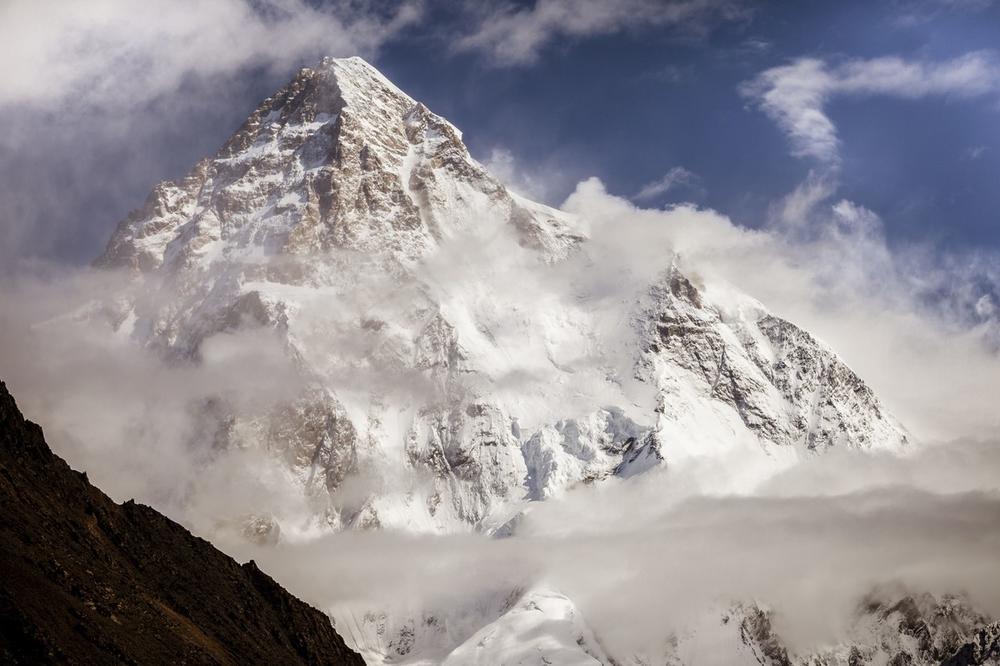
319	95
337	158
358	80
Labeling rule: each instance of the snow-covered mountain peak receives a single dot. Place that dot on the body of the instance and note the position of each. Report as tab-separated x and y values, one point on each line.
454	361
321	94
354	75
339	158
351	221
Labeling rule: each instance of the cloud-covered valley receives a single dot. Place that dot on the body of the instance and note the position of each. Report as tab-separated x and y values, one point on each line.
636	556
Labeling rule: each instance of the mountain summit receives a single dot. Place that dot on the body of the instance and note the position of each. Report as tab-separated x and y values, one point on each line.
349	221
457	352
339	158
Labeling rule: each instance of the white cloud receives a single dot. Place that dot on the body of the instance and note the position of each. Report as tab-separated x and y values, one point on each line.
839	281
901	318
985	307
974	5
138	91
793	211
516	35
795	95
920	12
810	545
110	53
756	45
535	184
674	178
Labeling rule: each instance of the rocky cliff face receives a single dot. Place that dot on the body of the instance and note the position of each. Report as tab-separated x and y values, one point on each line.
338	159
729	363
895	630
333	217
84	580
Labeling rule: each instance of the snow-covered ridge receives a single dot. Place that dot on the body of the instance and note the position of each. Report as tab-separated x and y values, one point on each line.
440	395
336	216
338	158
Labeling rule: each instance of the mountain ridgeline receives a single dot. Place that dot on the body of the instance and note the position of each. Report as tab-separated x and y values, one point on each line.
339	216
84	580
449	374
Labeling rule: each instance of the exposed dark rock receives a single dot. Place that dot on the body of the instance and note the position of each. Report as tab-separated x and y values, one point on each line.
908	630
982	648
84	580
757	633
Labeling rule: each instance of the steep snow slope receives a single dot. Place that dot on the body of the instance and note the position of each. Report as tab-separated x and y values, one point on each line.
542	627
339	158
724	364
518	626
440	393
453	367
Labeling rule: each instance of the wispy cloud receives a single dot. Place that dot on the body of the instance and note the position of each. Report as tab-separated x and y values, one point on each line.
138	91
677	177
826	265
795	95
535	183
114	52
920	12
513	35
975	152
756	45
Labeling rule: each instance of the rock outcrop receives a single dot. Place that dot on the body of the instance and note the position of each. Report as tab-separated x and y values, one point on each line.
899	630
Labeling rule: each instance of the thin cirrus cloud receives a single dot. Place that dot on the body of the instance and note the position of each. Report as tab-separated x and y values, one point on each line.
675	178
919	12
795	95
516	36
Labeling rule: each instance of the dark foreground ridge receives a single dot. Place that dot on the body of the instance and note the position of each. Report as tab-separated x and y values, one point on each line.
85	580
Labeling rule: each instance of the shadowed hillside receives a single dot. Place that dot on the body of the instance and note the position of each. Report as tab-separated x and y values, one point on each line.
86	580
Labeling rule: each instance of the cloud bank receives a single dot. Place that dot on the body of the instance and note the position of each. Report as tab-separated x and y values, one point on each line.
937	372
811	540
114	53
648	558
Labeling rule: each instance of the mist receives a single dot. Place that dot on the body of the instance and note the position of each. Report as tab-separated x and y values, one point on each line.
639	558
645	559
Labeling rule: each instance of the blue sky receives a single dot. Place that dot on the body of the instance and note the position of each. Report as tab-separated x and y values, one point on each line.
632	105
549	93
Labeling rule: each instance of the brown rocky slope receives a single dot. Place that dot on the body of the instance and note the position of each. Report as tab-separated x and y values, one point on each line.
84	580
